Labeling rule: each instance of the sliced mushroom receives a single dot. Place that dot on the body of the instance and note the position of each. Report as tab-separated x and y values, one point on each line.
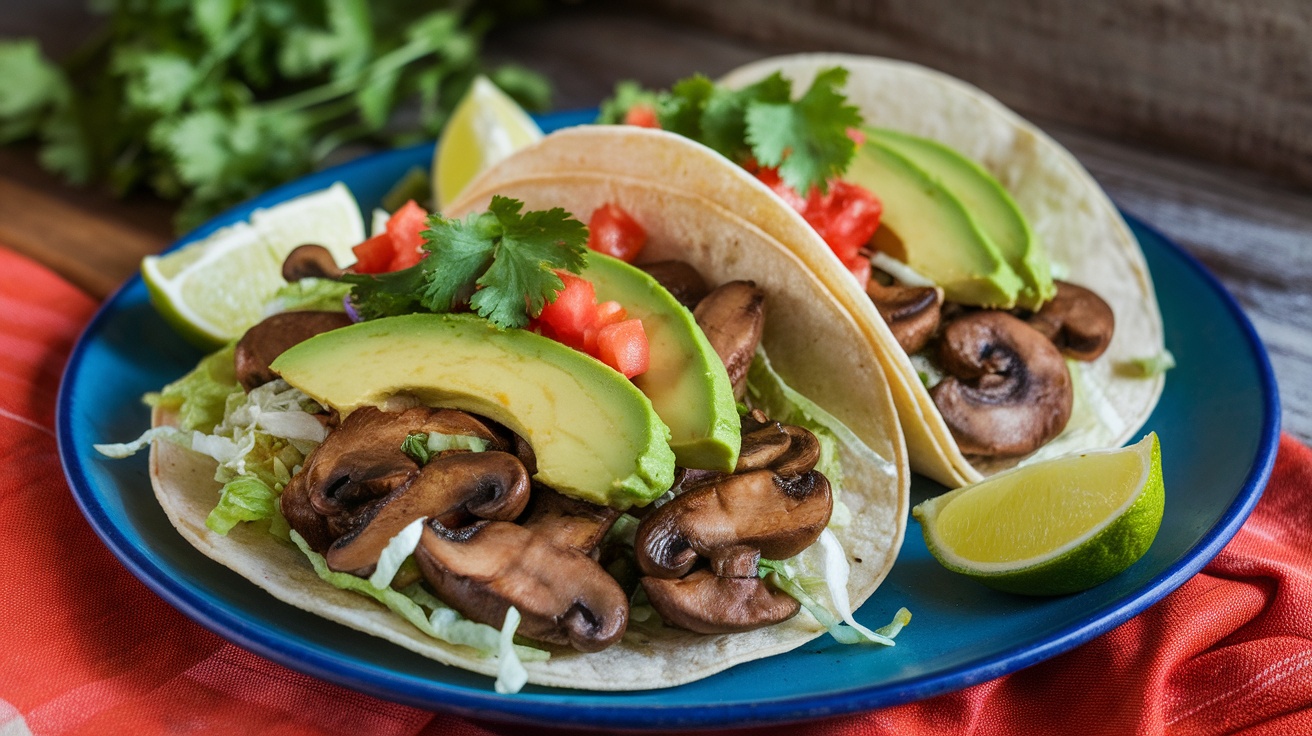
912	312
270	338
680	279
787	450
310	262
777	517
733	317
489	485
1077	321
713	604
1007	392
563	595
569	521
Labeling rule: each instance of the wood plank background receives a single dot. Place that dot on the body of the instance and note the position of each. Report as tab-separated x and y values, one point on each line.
1249	226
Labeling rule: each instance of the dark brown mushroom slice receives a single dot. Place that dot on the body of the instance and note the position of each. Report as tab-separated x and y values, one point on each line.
569	521
264	342
761	447
301	515
489	485
912	312
562	594
1077	321
349	462
733	317
1007	391
711	604
310	262
779	517
680	279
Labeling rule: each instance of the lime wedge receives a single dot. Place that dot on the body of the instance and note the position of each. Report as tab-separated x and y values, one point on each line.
485	127
1053	527
213	290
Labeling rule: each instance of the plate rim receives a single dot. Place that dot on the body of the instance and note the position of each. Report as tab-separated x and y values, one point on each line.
376	680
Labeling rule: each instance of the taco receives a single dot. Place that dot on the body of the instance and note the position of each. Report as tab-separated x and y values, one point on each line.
1069	226
447	405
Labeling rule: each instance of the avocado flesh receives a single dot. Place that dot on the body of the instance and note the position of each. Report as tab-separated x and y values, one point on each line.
942	241
988	203
686	382
595	435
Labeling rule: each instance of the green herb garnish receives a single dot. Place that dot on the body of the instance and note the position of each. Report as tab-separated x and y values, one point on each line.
501	264
806	138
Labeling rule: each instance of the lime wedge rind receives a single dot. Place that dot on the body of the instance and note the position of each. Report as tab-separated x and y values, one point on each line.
1105	550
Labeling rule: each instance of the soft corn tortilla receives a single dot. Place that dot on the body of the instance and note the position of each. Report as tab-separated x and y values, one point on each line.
1085	237
813	343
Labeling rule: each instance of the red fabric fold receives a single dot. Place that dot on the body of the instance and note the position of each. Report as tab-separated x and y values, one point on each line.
1229	651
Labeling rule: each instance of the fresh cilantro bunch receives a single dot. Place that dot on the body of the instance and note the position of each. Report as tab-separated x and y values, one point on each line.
501	264
215	101
806	138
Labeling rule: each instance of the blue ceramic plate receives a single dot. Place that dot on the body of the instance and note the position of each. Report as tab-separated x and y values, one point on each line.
1218	420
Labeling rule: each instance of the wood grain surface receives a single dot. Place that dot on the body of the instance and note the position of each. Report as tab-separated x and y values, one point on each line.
1252	231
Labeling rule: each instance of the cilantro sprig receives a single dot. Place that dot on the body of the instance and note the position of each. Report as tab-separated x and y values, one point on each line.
501	264
214	102
806	138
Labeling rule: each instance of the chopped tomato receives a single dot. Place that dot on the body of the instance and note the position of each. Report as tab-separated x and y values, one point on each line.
405	226
572	313
374	255
846	216
608	313
860	268
642	116
612	231
623	346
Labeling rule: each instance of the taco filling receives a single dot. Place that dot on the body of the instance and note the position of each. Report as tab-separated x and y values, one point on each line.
524	448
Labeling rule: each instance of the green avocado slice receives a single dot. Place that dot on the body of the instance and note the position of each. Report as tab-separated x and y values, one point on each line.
595	434
686	382
940	238
988	203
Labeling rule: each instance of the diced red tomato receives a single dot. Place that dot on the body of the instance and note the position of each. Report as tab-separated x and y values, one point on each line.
573	312
399	246
405	226
623	346
374	255
860	268
614	232
846	216
643	116
857	136
608	313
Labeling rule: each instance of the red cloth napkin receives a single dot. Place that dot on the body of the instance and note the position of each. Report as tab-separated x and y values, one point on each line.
87	649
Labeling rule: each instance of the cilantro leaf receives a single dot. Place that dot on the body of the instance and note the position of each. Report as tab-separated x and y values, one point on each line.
500	263
628	94
806	139
681	111
724	122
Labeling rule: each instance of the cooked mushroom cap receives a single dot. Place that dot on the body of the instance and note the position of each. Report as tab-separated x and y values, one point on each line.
274	335
1077	321
1008	390
912	312
489	485
776	516
733	317
711	604
680	279
564	596
569	521
310	262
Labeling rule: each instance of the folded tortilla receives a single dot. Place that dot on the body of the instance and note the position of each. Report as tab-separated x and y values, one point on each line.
1085	237
813	343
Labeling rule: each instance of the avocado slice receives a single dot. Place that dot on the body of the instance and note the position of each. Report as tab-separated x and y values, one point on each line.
595	434
686	382
987	202
942	241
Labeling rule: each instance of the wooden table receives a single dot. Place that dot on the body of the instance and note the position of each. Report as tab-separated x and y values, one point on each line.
1251	231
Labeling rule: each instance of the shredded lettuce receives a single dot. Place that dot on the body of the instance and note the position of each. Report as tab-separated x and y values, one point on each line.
200	397
443	442
511	675
443	624
244	498
1149	366
398	548
323	295
780	574
120	450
